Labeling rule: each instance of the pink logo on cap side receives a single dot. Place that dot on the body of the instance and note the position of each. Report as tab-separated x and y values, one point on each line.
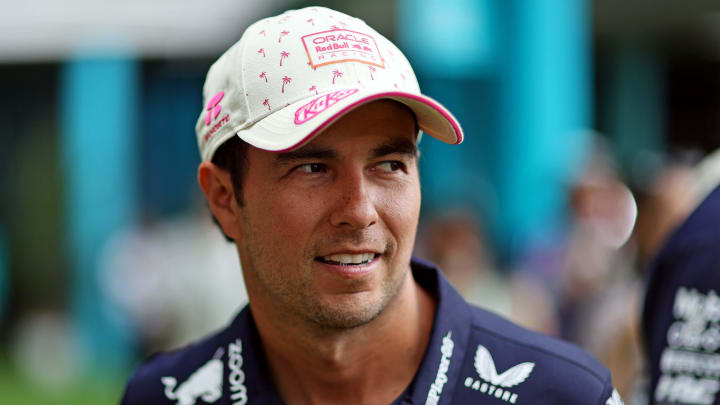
213	108
320	104
340	45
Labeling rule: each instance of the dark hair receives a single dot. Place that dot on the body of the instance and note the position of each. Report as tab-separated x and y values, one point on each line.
231	157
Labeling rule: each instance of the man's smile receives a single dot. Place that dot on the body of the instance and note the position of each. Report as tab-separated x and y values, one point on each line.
348	259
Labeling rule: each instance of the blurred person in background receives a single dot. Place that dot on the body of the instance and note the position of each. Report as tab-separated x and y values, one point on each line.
600	289
589	269
151	271
681	315
456	243
308	142
589	272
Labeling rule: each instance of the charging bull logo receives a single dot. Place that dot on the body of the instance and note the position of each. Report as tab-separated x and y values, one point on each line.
205	383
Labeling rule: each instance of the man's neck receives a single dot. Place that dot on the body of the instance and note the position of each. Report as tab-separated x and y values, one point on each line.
370	364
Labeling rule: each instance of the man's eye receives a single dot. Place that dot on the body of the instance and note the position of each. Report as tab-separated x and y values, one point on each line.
390	166
312	168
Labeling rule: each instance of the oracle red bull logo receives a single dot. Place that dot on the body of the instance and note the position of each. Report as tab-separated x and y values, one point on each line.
335	46
320	104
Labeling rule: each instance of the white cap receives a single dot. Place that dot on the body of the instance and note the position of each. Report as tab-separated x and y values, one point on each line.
291	76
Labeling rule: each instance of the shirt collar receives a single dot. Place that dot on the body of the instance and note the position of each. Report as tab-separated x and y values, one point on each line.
448	340
441	362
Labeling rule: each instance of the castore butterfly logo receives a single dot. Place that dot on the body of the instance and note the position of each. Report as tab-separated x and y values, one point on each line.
485	366
493	384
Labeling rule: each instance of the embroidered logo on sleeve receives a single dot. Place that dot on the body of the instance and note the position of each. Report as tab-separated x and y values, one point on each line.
614	399
495	384
204	383
334	46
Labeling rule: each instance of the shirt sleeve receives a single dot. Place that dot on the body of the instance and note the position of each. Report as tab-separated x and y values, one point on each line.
610	396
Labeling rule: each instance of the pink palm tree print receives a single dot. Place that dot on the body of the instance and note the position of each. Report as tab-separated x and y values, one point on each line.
266	103
314	88
285	80
262	33
311	21
282	34
283	55
263	75
372	70
261	51
336	73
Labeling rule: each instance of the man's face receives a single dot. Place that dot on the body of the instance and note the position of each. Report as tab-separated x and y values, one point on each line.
327	230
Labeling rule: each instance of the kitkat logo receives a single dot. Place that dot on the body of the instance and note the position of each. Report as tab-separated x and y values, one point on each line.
334	46
320	104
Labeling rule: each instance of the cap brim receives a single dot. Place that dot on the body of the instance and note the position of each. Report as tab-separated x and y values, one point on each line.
278	131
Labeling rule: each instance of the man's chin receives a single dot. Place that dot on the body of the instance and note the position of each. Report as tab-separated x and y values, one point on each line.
348	311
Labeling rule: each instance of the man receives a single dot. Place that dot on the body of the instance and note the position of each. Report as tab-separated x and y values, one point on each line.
681	317
316	182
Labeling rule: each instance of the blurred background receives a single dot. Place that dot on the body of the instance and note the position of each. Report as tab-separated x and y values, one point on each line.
585	120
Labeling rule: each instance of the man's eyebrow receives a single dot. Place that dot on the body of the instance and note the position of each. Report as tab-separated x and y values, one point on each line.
401	146
307	153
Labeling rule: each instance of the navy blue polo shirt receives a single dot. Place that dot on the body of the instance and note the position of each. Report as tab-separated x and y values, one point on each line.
681	315
474	357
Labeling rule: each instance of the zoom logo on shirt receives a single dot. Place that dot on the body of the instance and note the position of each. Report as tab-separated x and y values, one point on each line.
236	378
494	384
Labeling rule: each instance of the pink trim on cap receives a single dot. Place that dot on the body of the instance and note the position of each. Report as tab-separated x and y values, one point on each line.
430	103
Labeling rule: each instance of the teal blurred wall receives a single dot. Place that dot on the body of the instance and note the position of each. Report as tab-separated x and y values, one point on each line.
518	76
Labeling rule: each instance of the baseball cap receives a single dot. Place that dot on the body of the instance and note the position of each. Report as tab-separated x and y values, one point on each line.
292	75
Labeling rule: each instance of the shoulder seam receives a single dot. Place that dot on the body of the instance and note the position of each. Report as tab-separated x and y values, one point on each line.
608	384
539	349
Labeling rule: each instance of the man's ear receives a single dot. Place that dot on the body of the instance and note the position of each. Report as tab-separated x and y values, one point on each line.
217	186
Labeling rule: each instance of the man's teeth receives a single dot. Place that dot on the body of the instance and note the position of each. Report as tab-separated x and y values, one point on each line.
343	258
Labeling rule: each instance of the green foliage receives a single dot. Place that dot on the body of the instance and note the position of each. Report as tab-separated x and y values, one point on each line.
17	390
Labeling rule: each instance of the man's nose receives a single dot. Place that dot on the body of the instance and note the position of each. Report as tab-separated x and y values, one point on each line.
355	203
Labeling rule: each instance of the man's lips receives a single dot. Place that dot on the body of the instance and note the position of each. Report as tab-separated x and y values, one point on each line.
348	258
